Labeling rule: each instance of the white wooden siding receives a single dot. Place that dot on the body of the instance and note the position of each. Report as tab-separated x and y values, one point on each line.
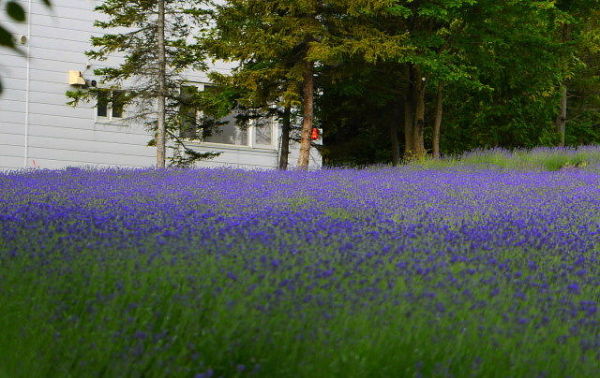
55	135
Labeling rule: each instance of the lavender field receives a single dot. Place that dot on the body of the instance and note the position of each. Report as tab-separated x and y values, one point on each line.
346	273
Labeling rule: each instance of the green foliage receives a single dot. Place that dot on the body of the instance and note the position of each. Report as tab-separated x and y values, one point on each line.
538	159
501	65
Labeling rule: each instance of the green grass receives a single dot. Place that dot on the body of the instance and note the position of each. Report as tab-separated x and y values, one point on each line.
222	330
541	159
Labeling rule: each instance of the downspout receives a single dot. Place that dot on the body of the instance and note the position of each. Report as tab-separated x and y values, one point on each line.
27	86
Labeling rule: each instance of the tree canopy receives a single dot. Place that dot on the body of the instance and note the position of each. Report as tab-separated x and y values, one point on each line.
420	76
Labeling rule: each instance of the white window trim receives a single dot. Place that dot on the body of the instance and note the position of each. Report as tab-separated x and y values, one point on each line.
251	145
109	113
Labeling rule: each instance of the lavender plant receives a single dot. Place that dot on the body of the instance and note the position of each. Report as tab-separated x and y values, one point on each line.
383	272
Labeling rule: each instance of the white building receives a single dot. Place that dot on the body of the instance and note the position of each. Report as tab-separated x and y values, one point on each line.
38	128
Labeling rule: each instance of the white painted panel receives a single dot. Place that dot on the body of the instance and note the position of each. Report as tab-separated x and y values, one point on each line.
9	139
61	143
11	106
59	110
13	94
111	136
10	150
65	57
50	120
125	130
49	42
8	117
59	99
259	159
48	19
82	157
82	11
10	84
13	61
86	123
58	66
62	164
10	162
13	128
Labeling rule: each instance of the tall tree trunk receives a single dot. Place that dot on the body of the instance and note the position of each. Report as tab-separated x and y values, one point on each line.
561	120
308	87
437	127
394	121
409	119
394	128
162	86
286	127
419	126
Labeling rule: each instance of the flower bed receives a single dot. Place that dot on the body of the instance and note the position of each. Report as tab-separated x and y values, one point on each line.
384	272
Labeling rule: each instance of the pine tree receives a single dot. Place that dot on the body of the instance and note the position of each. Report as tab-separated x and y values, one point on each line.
293	40
154	37
257	91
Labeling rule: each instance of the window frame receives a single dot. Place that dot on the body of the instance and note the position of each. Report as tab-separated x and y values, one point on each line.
110	109
251	143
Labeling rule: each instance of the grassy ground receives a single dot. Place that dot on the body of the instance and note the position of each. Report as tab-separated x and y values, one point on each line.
540	159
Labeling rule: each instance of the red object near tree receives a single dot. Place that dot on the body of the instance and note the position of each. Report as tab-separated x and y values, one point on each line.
315	134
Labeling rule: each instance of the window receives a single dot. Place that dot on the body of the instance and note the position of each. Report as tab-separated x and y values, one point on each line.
102	107
188	113
110	104
118	103
263	132
223	131
228	132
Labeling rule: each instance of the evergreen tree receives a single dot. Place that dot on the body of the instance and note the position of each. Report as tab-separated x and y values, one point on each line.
257	92
154	37
287	42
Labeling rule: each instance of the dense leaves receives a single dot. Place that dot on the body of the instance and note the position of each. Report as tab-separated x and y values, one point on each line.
497	70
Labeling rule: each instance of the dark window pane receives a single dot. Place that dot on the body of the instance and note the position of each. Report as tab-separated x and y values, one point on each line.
227	132
118	102
188	113
102	106
264	132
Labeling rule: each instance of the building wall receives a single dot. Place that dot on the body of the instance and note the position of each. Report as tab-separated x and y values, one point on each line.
38	128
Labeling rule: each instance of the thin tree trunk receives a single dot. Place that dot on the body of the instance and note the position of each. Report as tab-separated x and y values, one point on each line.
308	87
437	127
409	131
162	84
419	126
394	128
286	126
409	120
561	120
